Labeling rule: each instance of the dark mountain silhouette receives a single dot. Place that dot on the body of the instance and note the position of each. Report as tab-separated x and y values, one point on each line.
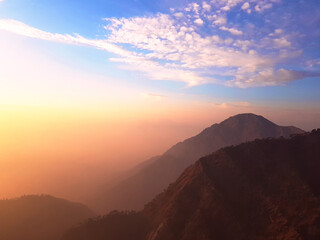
151	177
265	189
39	217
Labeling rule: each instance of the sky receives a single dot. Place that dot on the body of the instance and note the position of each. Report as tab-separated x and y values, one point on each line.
105	84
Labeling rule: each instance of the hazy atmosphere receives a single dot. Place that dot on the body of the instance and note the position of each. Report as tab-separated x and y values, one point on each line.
91	88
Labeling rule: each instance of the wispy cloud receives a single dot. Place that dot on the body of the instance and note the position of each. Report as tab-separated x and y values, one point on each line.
232	30
270	77
153	97
225	105
28	31
196	44
132	60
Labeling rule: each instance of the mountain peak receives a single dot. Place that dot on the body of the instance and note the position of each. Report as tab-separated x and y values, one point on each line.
247	118
246	115
155	175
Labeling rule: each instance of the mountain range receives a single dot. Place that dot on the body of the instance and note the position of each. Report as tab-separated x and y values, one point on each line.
148	179
260	190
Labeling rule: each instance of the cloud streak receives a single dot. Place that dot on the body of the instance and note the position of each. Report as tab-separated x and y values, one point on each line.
28	31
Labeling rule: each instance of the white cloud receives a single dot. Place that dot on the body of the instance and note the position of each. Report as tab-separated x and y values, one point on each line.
195	7
263	6
206	6
219	20
282	42
227	5
190	52
245	6
276	32
171	47
225	8
199	21
232	30
178	14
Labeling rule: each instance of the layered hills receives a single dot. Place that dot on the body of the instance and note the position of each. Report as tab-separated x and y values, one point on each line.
39	217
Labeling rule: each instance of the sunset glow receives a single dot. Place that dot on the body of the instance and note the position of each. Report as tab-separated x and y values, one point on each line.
89	89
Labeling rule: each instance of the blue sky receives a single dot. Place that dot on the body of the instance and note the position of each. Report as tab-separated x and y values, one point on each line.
232	50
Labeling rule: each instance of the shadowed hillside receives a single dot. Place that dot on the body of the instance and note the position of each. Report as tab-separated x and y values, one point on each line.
153	176
266	189
39	217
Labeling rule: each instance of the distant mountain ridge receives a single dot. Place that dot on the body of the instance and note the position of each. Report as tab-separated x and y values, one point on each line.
39	217
265	189
153	176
